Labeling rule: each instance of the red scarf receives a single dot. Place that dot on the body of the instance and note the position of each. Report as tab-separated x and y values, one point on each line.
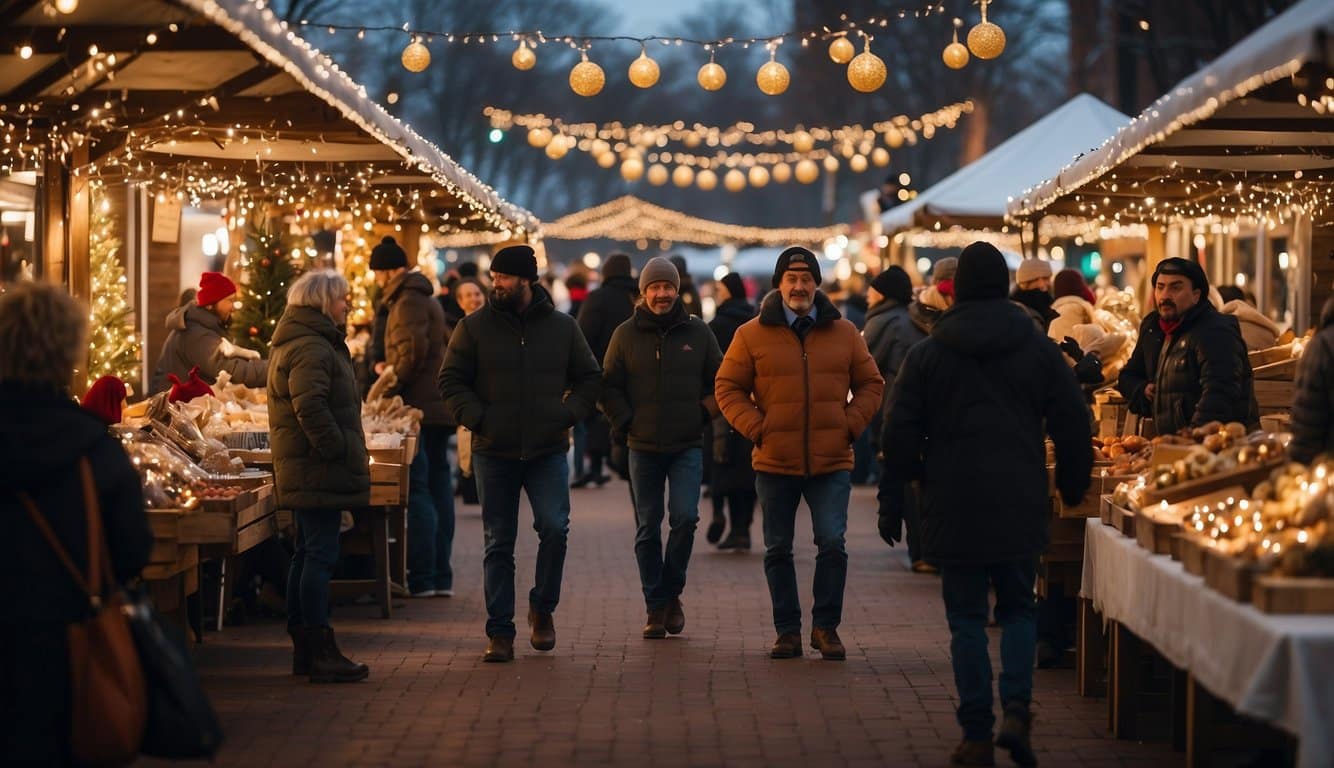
1169	327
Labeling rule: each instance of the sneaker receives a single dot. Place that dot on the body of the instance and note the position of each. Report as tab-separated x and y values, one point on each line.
423	593
973	753
444	593
1015	734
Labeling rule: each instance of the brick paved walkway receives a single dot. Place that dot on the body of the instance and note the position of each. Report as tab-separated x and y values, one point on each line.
606	697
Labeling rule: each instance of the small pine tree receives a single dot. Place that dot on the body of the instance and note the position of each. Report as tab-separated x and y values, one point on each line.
113	347
356	253
268	273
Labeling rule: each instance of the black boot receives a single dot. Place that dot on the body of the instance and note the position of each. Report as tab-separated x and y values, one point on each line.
327	663
1016	732
300	650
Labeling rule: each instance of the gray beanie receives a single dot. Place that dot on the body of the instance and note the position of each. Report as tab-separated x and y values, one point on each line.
659	268
1032	269
944	269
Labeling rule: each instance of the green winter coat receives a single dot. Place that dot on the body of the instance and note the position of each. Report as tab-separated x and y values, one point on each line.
657	384
519	381
319	452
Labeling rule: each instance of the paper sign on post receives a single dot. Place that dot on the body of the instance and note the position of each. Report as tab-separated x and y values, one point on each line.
167	220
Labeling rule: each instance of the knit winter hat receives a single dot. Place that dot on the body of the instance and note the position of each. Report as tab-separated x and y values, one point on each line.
104	398
944	269
1032	269
517	260
185	391
982	274
388	255
798	259
894	283
616	265
213	288
1069	282
736	287
656	270
1189	269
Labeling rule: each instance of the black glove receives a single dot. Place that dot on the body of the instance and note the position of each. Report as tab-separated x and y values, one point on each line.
1071	348
891	518
1089	369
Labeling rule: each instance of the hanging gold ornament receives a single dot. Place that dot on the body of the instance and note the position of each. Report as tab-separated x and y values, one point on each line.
986	40
643	70
523	58
587	78
894	138
802	141
867	71
772	78
416	57
657	174
807	171
734	181
831	163
711	76
758	176
782	173
706	179
539	137
606	159
683	176
857	163
880	157
557	148
842	50
955	54
632	168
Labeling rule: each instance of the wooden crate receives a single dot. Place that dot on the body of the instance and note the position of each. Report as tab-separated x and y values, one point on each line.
231	525
1269	355
1190	550
1229	576
184	557
1274	395
1154	531
1283	370
1280	595
1105	509
1246	477
389	476
1123	520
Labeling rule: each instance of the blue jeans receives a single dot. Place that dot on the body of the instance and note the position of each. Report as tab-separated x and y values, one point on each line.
679	474
580	435
965	588
498	484
312	567
827	496
430	513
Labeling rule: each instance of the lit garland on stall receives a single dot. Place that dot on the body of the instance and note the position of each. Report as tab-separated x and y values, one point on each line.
629	218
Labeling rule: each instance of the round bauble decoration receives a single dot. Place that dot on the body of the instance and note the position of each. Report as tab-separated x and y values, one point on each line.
539	137
894	138
587	78
782	173
986	40
867	71
657	174
955	54
416	57
807	171
857	163
683	176
831	163
557	148
773	78
265	263
734	181
842	50
802	141
706	179
644	71
606	159
880	157
632	168
758	176
693	140
523	58
711	76
254	331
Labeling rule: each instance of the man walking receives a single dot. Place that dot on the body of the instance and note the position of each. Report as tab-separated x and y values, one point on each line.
784	384
519	374
657	389
977	396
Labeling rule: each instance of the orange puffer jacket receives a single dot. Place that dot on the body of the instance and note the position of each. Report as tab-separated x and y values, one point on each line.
791	397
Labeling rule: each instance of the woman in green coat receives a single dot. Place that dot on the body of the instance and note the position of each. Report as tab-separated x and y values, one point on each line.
320	463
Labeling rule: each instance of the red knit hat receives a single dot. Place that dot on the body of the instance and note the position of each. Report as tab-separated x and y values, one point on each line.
214	287
185	391
104	398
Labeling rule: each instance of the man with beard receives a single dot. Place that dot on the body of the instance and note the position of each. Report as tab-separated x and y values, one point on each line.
198	338
519	374
1189	366
657	389
784	384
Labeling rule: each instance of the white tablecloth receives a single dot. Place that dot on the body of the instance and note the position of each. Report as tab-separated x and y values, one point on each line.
1278	669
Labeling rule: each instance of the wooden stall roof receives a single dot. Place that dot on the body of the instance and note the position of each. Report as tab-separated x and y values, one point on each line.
219	98
1253	132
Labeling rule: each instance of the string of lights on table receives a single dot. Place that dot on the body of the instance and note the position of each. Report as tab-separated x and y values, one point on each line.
866	72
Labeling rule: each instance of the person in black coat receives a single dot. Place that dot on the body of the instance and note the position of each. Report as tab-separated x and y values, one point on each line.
1313	400
970	409
606	307
689	293
44	435
1190	365
732	479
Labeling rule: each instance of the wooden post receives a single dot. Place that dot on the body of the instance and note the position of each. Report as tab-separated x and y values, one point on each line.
1091	652
1127	657
52	225
80	274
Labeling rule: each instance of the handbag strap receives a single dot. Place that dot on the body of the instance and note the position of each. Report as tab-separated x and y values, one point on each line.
98	557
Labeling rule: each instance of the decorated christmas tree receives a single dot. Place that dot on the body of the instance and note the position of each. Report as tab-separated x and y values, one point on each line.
356	253
267	273
113	347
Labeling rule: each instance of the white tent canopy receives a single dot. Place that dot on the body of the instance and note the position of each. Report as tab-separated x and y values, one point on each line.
977	194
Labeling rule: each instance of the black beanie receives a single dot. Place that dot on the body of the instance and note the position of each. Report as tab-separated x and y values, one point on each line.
517	260
796	258
1186	268
894	283
736	287
387	255
982	274
616	265
469	269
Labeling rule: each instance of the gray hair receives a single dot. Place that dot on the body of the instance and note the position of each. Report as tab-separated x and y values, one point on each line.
43	334
318	288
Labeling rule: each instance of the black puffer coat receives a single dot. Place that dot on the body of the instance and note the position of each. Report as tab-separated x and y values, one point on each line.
731	450
519	382
606	307
969	411
319	451
890	332
1313	401
657	380
1204	374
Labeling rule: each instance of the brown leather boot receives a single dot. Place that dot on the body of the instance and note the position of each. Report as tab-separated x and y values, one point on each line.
1015	734
654	628
327	663
675	620
973	753
499	649
826	641
300	650
787	646
544	630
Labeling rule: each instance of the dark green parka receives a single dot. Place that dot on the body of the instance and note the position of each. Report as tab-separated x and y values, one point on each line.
319	452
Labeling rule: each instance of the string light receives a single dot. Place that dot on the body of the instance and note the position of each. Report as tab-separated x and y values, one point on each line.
711	76
416	57
587	78
772	78
629	218
523	57
643	71
867	71
841	50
